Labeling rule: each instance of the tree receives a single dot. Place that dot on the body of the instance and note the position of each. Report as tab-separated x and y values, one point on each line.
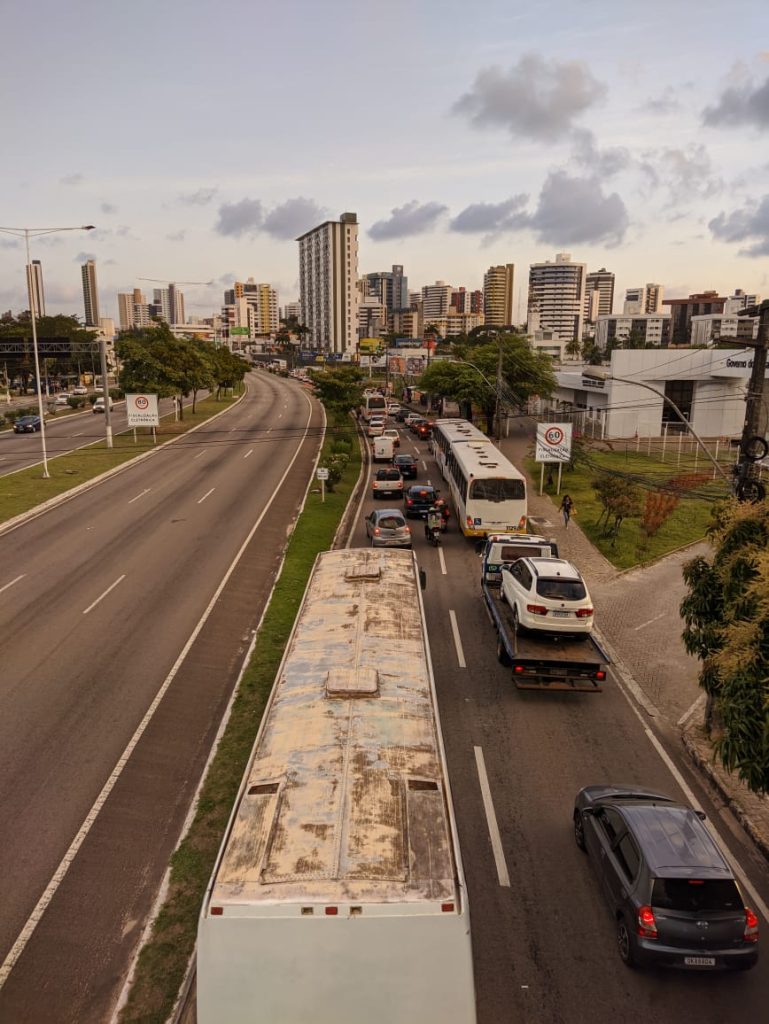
620	499
727	627
227	368
155	360
340	389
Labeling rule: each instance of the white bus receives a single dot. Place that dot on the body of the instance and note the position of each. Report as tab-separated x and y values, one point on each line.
338	895
488	492
373	404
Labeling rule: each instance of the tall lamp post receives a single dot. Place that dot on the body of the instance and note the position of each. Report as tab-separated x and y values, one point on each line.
595	374
26	234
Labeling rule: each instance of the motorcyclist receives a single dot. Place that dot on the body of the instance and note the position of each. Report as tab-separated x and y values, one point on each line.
433	522
443	507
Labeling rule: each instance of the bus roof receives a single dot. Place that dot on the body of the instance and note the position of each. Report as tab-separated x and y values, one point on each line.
476	453
460	430
346	799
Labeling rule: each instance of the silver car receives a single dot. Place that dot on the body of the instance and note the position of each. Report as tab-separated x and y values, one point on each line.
387	528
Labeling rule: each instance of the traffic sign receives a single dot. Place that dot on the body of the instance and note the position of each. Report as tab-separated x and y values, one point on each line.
142	410
322	473
553	442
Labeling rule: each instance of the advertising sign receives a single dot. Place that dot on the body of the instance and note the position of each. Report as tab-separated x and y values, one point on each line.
142	410
553	442
238	332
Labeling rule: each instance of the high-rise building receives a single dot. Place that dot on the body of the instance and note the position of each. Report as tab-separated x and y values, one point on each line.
498	283
169	304
463	301
328	276
261	300
390	287
557	297
639	301
90	293
35	287
133	310
599	294
291	309
436	301
740	300
682	311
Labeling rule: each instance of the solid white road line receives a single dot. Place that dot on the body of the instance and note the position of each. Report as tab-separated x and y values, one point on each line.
688	714
201	500
66	862
102	596
442	560
757	902
249	452
7	585
649	621
457	640
491	819
201	452
141	495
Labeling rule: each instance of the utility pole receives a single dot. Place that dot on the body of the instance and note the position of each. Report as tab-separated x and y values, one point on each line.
753	445
498	404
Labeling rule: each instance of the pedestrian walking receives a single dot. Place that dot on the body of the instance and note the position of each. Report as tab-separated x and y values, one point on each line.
566	509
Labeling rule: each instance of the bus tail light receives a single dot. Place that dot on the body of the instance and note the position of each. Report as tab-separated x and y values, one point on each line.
447	908
536	609
332	911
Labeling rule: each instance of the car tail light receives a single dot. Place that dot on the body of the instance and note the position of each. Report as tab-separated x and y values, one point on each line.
584	613
536	609
751	926
377	531
600	674
647	926
408	529
409	501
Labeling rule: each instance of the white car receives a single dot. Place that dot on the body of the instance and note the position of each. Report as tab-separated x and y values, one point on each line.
376	426
392	408
547	594
394	436
62	398
98	405
411	417
81	389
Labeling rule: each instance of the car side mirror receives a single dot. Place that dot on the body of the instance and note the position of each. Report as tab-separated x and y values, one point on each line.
701	815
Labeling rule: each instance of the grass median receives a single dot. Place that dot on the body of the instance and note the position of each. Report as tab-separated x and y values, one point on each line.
163	961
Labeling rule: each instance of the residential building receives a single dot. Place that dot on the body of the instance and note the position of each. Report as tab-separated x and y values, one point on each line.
599	294
452	325
643	329
90	293
372	317
716	327
498	284
328	275
557	297
463	301
133	310
35	288
682	311
261	299
740	300
168	304
407	323
291	309
390	287
436	301
647	299
549	343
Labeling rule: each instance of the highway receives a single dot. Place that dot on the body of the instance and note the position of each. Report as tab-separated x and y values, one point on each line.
125	615
543	940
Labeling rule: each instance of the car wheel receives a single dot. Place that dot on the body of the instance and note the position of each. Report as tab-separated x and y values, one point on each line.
502	595
502	656
516	620
579	830
625	944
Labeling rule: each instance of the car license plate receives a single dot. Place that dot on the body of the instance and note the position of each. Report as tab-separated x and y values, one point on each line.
561	615
700	961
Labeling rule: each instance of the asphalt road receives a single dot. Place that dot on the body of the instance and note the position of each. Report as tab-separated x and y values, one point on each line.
544	944
102	605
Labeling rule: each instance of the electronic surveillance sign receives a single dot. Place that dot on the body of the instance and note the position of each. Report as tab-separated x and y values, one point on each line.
142	410
553	442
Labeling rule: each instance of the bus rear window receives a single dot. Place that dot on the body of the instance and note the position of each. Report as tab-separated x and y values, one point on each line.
695	894
498	489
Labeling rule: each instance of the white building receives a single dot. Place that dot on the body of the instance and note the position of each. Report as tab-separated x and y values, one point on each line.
436	301
547	342
740	300
291	309
328	276
599	294
711	328
557	297
646	328
647	299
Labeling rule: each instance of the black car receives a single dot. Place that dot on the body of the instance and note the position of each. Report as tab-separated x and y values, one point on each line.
670	890
407	465
418	499
26	424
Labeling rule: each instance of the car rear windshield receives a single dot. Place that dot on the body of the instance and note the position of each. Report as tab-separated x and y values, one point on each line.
696	894
561	590
388	474
511	552
392	522
422	492
497	489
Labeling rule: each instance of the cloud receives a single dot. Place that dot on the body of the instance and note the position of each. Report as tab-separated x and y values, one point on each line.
575	210
293	218
492	218
83	256
750	224
740	104
202	197
108	208
238	219
72	179
686	173
176	236
666	103
9	243
604	163
537	99
404	221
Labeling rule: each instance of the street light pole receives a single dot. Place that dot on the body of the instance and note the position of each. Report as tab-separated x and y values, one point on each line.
26	233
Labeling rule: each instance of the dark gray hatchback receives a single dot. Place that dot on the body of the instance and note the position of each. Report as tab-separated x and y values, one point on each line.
670	889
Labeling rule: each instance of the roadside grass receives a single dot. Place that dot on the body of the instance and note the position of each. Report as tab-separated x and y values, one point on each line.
687	523
162	963
22	491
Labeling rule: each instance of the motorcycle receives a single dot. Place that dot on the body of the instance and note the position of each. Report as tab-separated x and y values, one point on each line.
433	531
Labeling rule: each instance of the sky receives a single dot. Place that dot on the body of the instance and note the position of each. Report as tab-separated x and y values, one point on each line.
201	138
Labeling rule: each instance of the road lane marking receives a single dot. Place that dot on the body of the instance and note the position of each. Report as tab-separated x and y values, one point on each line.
688	714
269	430
424	465
201	500
442	560
457	640
249	452
7	585
201	452
66	862
491	819
649	621
79	433
141	495
102	596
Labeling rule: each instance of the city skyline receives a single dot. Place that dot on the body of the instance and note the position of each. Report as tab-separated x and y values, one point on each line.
572	132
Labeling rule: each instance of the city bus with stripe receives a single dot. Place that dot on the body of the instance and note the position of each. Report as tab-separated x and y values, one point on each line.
488	492
338	894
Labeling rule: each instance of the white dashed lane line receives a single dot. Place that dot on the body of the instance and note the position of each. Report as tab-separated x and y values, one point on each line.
457	640
140	495
7	585
442	560
102	596
201	500
203	452
249	452
491	819
649	621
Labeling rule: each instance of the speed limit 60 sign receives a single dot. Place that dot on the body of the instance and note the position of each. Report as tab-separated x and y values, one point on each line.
553	442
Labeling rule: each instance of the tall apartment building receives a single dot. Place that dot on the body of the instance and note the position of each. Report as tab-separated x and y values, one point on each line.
557	297
682	311
463	301
328	276
90	293
647	299
436	301
133	310
498	283
740	300
35	288
390	287
291	309
599	294
261	299
640	328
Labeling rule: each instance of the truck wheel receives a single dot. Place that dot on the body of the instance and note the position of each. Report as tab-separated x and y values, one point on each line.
502	656
502	595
